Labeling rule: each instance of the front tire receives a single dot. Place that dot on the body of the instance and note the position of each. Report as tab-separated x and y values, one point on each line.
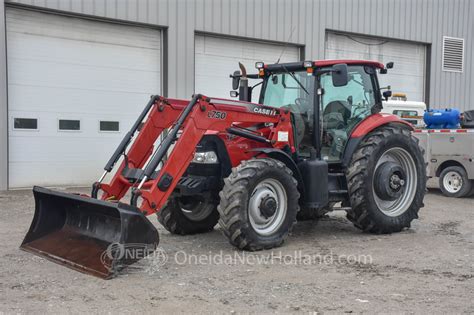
453	182
258	204
188	215
386	181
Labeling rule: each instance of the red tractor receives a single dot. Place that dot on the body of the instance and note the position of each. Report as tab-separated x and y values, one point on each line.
316	139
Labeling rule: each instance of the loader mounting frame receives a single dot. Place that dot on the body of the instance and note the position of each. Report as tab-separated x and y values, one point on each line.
169	117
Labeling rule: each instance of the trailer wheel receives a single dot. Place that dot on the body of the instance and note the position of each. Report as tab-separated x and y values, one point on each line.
386	181
258	204
188	215
453	182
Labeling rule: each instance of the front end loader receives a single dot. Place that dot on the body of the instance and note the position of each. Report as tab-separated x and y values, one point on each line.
315	139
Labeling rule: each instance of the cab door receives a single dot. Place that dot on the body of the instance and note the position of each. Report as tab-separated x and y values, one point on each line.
294	91
346	106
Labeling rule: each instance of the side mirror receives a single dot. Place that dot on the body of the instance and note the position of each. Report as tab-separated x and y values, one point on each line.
389	65
387	94
339	75
235	80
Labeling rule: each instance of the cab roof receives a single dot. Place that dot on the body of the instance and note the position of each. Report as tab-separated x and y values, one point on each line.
296	66
331	62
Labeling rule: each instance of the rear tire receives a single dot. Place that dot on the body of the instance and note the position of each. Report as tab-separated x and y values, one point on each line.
258	204
453	182
381	202
179	219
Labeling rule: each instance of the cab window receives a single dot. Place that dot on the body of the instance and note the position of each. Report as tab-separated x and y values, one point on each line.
357	97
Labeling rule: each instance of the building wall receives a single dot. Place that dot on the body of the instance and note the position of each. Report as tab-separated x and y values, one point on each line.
3	104
425	21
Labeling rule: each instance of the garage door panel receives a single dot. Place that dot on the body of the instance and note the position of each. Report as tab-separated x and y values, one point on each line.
50	176
60	149
71	29
217	57
234	48
85	77
79	52
408	75
48	126
68	68
50	99
370	45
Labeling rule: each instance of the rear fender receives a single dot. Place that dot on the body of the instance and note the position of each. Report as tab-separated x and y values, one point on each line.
374	121
365	127
285	158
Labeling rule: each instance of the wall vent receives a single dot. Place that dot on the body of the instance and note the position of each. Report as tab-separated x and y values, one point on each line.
453	54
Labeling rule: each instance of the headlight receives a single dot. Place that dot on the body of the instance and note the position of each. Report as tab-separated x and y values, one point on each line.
209	157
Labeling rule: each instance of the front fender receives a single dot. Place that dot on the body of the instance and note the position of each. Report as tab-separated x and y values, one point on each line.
285	158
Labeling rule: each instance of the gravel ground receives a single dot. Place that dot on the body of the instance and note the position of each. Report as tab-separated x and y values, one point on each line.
325	267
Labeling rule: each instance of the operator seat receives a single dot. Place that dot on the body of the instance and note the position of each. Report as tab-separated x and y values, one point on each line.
336	115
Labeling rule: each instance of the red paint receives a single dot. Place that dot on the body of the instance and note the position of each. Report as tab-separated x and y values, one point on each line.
374	121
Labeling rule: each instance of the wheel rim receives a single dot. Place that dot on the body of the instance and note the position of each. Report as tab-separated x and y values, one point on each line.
452	182
194	210
401	204
266	223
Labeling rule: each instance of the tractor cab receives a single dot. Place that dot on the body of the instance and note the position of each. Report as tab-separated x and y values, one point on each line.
346	94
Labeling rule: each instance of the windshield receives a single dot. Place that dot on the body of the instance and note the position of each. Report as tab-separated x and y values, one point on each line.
294	89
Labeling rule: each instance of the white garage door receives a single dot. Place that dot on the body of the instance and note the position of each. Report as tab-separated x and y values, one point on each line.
74	87
408	74
217	57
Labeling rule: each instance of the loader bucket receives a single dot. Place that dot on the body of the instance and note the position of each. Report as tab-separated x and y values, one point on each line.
92	236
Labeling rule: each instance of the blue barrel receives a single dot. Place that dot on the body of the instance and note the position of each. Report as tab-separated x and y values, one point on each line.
448	118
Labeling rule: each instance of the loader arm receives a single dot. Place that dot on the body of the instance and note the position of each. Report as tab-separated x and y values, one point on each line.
192	121
162	115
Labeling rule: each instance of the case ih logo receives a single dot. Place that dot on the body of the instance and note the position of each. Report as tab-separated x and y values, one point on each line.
265	111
